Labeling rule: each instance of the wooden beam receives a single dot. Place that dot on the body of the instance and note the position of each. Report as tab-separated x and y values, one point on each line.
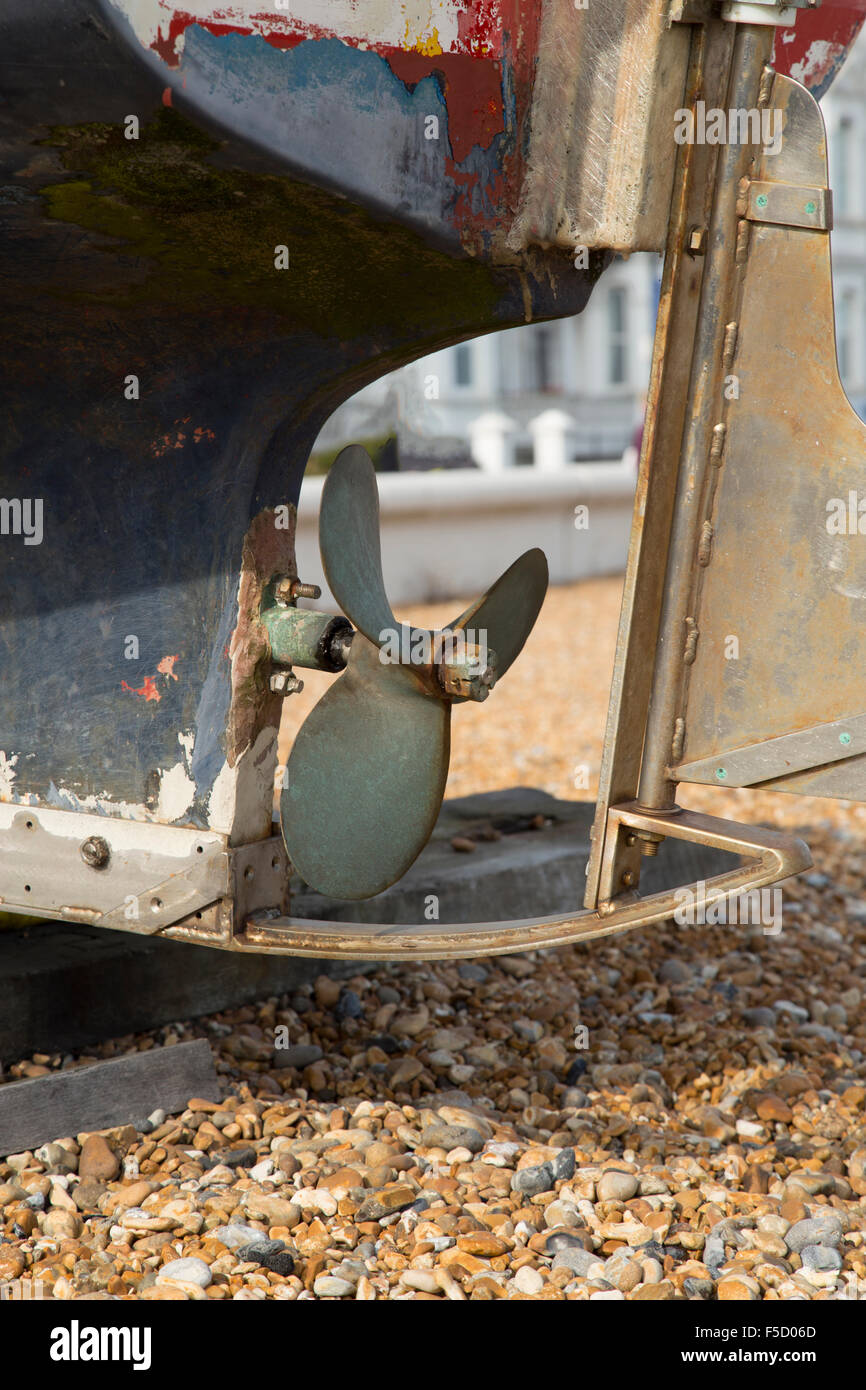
123	1091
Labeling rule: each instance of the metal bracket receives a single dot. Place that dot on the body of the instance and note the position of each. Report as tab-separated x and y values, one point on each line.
692	11
764	11
788	205
778	856
150	876
146	878
779	757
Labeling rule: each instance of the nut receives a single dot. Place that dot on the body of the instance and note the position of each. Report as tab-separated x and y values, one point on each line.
95	852
288	590
286	683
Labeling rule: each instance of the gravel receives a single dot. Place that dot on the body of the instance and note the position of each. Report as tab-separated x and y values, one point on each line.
413	1142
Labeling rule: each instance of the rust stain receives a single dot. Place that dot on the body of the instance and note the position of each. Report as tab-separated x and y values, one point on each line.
269	552
179	440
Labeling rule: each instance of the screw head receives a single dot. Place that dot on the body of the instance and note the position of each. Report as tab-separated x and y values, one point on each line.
95	852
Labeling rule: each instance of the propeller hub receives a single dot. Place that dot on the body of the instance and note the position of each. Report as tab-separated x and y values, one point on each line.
470	676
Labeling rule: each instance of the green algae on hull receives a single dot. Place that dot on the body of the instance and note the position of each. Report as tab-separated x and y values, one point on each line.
210	234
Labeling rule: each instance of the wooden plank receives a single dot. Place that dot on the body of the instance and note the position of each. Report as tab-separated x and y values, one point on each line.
65	986
123	1091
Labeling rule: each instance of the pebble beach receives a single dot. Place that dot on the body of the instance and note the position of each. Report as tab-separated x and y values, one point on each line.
678	1113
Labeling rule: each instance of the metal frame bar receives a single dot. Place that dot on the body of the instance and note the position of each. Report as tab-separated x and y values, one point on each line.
777	855
692	342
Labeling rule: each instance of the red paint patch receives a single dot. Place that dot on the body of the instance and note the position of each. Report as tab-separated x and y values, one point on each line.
818	43
148	690
472	92
166	96
472	75
181	438
166	667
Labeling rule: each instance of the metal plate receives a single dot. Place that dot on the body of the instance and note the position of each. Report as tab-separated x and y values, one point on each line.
155	873
794	451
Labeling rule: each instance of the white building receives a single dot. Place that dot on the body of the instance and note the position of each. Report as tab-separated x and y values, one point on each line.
845	115
480	399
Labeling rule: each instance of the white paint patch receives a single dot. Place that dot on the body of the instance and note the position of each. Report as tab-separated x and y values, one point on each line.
176	793
7	775
241	801
431	25
187	743
816	62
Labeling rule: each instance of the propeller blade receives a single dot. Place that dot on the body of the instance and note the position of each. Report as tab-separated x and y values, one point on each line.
506	614
365	778
349	542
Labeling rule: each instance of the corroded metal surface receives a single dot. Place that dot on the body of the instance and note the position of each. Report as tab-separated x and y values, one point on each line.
794	449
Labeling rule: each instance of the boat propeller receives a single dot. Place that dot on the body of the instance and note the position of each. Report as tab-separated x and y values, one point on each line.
366	776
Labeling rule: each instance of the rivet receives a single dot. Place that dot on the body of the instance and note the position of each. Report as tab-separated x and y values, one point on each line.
721	773
844	738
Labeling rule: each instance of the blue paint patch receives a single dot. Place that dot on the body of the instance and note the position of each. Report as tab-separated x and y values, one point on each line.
342	118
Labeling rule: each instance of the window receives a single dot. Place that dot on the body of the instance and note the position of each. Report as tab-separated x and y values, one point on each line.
542	360
617	336
842	167
845	305
463	364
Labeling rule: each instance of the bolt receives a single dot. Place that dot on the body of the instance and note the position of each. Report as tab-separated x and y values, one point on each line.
464	677
285	683
628	878
95	852
288	590
697	241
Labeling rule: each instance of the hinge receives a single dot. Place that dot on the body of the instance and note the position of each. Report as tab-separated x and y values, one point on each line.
787	205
